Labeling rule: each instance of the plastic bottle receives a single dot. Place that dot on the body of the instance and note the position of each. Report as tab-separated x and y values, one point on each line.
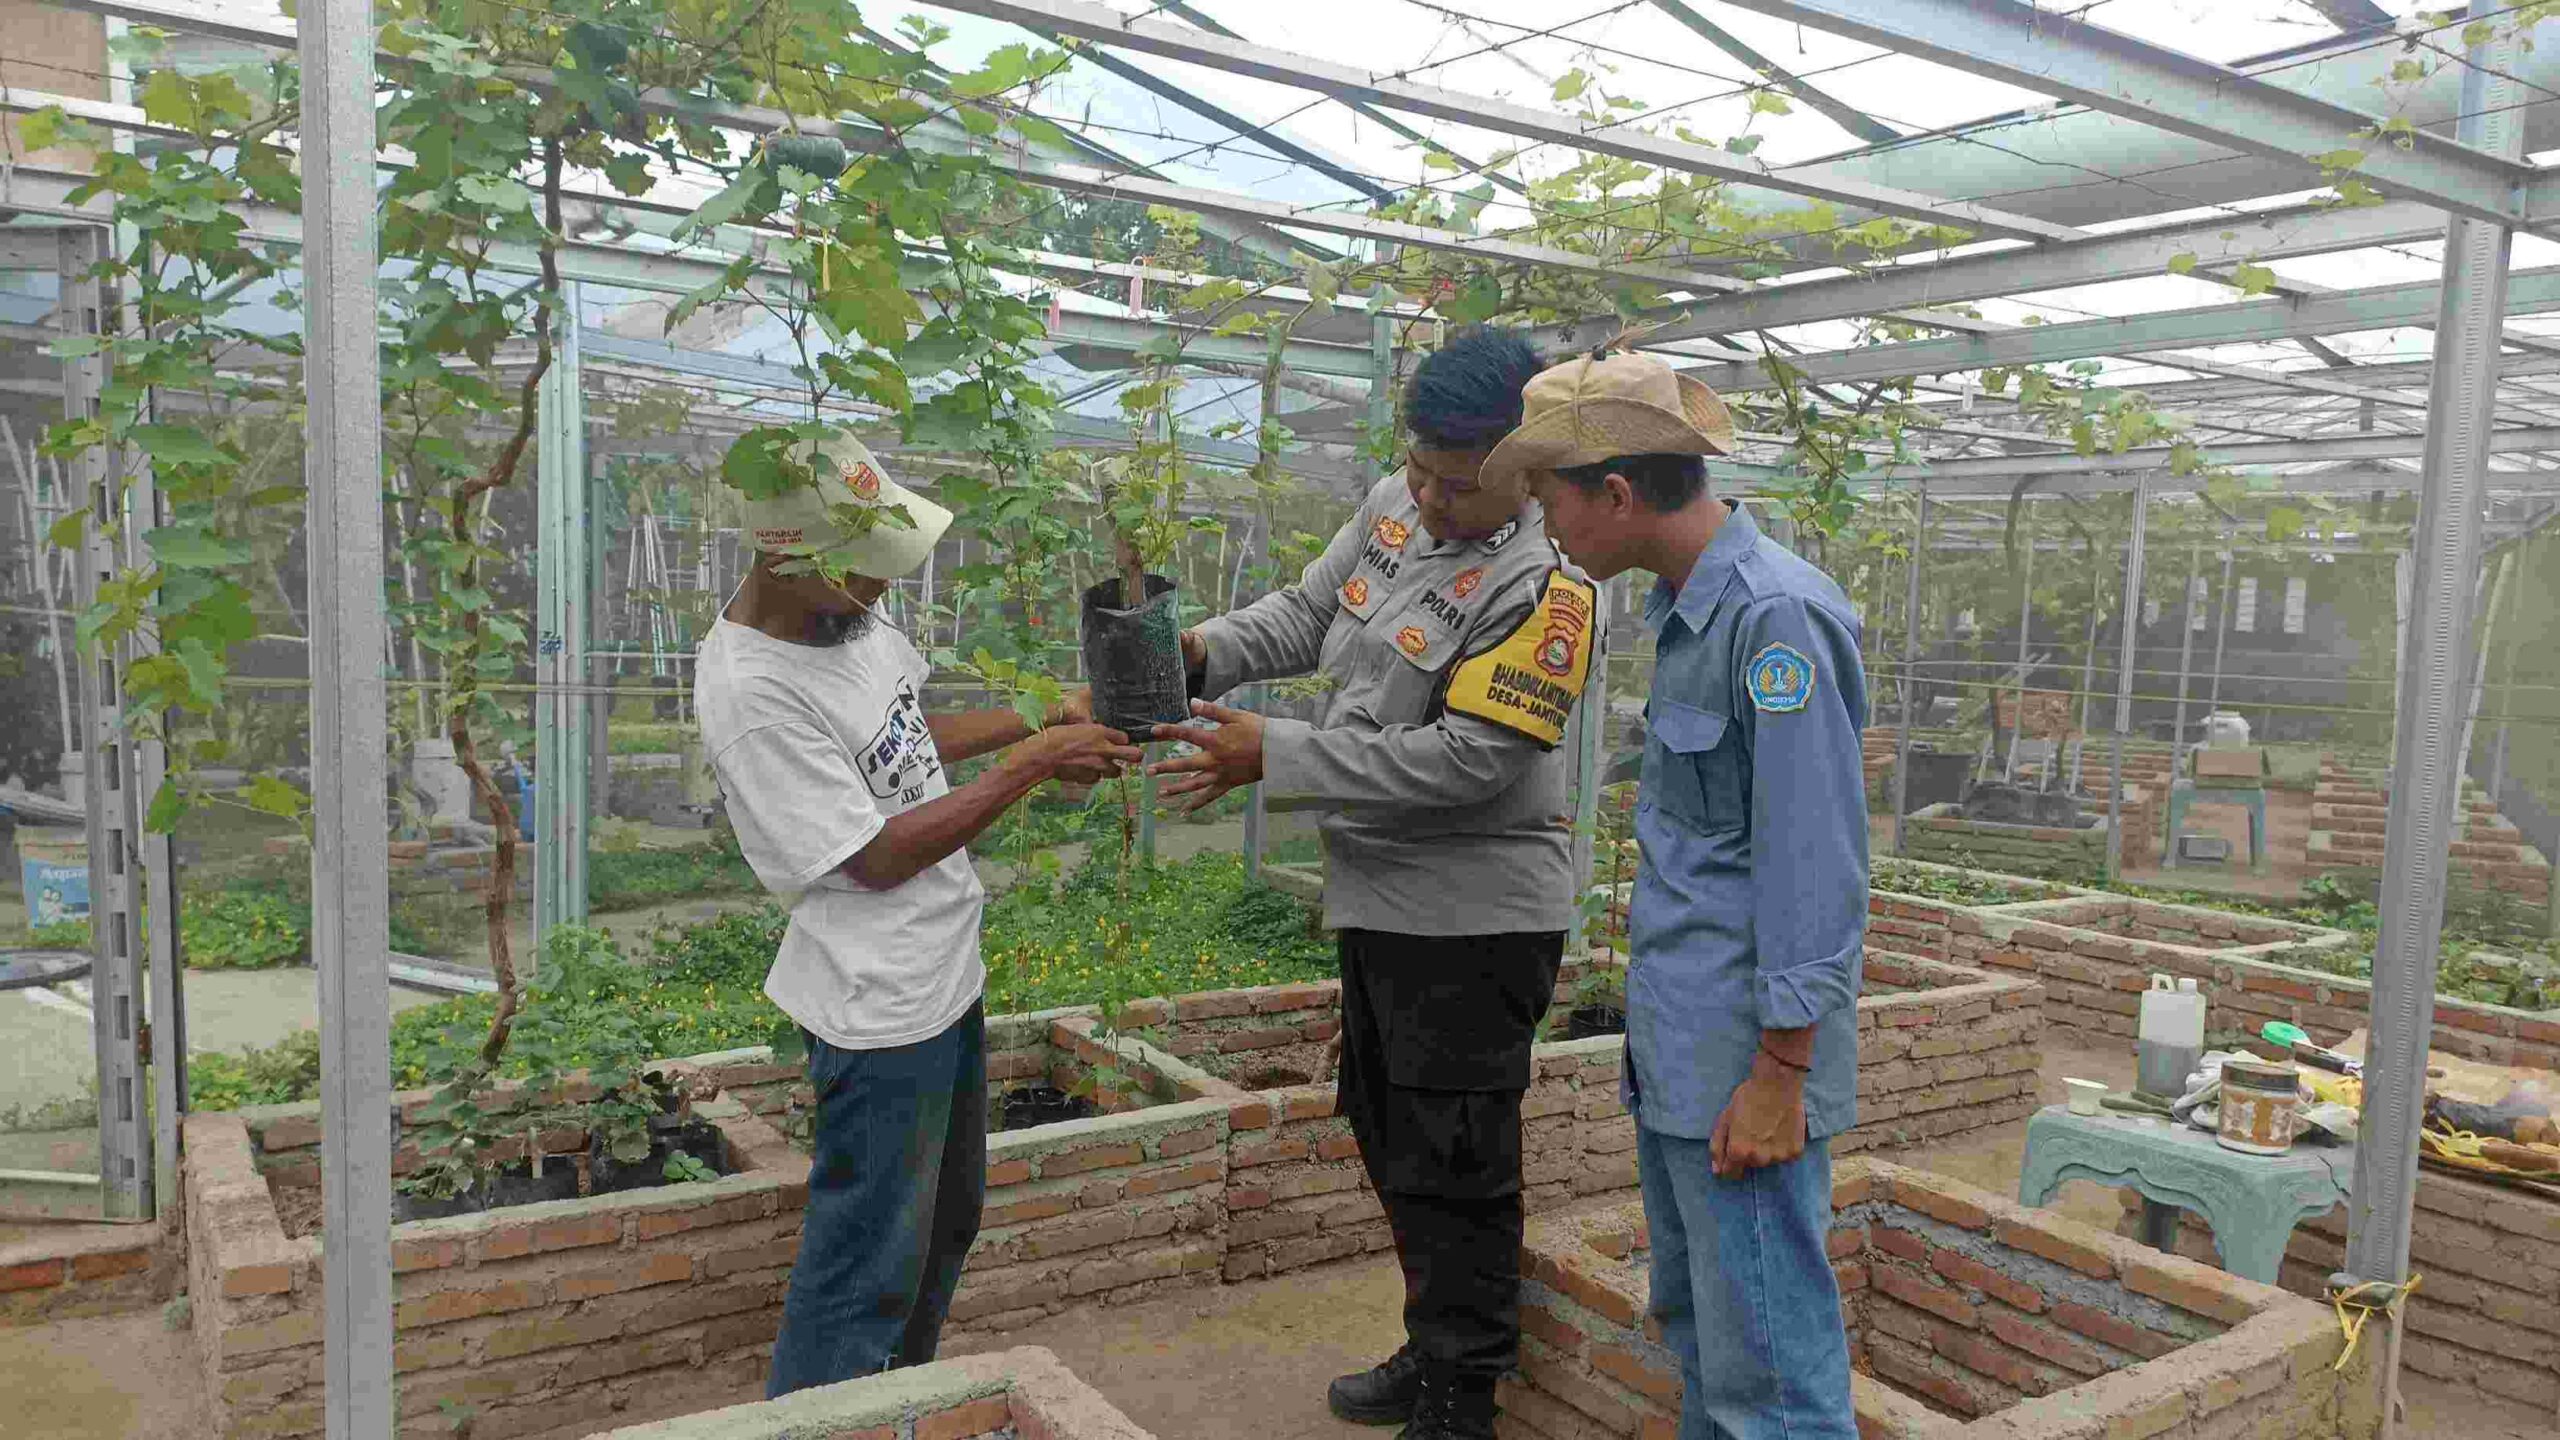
2171	1037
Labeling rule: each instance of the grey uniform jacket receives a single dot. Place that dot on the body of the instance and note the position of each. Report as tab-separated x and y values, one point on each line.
1440	823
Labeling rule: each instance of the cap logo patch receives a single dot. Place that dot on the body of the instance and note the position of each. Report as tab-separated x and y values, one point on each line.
1412	641
1392	533
863	481
1466	583
1780	678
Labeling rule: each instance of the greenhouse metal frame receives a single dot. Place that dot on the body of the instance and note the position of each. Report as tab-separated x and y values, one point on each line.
2480	419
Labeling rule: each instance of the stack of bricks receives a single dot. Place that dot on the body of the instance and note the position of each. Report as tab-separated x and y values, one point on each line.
1942	1051
1967	1316
2481	1319
535	1320
1020	1394
2351	812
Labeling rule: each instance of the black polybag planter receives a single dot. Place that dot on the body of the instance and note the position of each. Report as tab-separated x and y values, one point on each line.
1134	659
1588	1022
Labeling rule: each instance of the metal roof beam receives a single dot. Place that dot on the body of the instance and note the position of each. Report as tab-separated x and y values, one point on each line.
1371	113
1245	130
1848	117
2374	308
2526	441
2220	240
2090	65
1103	25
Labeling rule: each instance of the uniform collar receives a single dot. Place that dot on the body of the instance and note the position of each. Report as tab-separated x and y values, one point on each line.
1695	600
1494	543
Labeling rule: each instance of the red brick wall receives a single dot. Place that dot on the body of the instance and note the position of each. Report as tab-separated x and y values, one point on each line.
1119	1205
1960	1306
1955	1051
88	1270
2488	1256
2094	977
544	1320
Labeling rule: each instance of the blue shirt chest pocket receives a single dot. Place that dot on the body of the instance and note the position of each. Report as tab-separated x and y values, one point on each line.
1693	766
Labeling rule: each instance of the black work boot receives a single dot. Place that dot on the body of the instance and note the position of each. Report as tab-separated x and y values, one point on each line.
1381	1395
1453	1407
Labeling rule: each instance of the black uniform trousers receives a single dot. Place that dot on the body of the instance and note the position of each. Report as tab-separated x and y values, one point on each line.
1436	1033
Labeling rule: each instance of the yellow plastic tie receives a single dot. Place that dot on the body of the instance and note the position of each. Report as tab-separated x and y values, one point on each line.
2360	1304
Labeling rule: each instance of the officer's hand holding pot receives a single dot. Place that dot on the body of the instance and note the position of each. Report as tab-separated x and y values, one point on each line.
1227	757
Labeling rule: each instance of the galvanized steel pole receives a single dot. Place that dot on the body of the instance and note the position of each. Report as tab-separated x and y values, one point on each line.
2129	625
350	850
2221	627
2426	791
560	819
2026	628
2186	660
1910	673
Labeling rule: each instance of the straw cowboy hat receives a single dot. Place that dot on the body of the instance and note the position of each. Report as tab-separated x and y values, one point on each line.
846	519
1594	408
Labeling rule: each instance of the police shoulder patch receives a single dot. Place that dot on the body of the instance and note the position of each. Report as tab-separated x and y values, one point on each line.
1529	682
1780	678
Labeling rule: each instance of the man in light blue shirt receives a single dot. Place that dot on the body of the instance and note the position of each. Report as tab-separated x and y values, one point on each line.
1751	895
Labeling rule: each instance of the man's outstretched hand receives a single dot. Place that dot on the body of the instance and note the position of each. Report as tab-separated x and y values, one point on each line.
1228	756
1080	754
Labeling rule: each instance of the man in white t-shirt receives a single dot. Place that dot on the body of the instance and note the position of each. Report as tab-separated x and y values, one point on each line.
832	772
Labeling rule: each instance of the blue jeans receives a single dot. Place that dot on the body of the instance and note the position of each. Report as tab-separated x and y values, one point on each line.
896	1182
1742	1285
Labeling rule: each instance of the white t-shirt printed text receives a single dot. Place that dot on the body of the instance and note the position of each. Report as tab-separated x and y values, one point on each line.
817	748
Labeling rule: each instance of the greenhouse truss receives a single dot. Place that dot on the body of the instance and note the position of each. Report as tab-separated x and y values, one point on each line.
1927	246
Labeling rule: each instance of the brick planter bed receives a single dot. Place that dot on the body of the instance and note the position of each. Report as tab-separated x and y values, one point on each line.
1968	1317
543	1318
2481	1318
2491	1255
68	1272
662	1300
1022	1394
1940	833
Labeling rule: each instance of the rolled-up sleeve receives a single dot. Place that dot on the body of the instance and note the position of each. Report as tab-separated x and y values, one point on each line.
1808	809
1282	633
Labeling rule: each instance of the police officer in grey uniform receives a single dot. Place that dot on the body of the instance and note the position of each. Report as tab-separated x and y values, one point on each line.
1458	641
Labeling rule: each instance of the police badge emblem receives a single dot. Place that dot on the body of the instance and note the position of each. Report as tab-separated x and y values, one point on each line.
1392	533
1466	583
1412	641
1355	592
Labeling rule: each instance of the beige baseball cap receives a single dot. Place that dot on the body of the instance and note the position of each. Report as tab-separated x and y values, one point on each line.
1590	409
855	518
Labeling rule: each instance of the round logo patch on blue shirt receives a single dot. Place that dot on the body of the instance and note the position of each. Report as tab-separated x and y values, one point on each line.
1780	678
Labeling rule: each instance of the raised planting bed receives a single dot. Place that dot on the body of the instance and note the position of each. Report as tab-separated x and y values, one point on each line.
1940	833
1021	1394
545	1319
2481	1319
1967	1316
2095	955
68	1272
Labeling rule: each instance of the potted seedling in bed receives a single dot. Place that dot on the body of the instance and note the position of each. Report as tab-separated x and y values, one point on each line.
1599	1003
